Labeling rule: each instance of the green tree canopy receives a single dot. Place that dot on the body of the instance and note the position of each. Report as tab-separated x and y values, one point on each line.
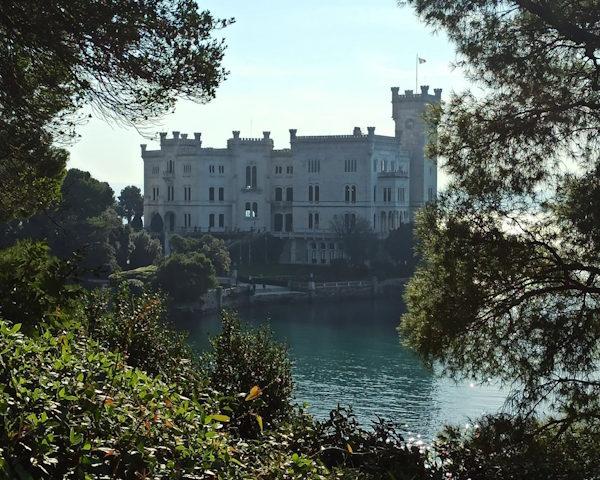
510	287
213	248
129	61
131	203
186	276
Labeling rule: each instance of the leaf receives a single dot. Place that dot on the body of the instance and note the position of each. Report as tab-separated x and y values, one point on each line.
255	391
219	418
260	421
168	422
349	448
110	402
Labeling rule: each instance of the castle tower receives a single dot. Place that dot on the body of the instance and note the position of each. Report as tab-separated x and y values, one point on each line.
407	112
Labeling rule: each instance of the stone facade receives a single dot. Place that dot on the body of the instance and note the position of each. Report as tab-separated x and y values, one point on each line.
294	193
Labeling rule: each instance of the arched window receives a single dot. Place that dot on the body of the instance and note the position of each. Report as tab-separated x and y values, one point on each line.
278	194
313	256
289	222
221	220
353	193
316	193
255	209
331	252
248	212
375	165
353	220
278	222
254	176
374	193
383	223
248	177
310	193
289	194
211	194
323	253
310	220
316	220
347	221
211	220
347	193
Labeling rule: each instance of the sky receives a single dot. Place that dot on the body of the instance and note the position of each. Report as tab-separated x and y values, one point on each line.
319	66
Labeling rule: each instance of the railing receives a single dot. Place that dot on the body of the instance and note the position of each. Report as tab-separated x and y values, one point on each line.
168	174
398	174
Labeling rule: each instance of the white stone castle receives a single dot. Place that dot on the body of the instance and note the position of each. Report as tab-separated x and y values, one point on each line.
294	193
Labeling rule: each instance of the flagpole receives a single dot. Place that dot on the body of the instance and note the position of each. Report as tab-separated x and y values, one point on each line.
417	73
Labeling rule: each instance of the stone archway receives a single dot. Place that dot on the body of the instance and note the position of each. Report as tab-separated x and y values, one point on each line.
170	221
156	223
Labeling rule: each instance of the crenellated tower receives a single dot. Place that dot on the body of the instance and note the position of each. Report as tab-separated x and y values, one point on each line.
407	112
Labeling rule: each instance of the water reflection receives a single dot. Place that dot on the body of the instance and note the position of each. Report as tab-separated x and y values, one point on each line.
348	353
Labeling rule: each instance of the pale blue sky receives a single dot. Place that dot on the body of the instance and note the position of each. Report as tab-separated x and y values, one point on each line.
320	66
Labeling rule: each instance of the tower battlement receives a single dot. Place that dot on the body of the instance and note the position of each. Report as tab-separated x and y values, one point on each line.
411	96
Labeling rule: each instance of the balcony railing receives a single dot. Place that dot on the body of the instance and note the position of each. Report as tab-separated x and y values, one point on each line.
397	174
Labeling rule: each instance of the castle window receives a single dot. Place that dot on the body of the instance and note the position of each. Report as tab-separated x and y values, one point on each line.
170	166
289	194
313	248
187	220
187	169
221	168
211	169
353	193
310	220
187	194
374	165
316	193
278	222
353	220
221	194
290	170
289	222
155	170
375	193
255	209
316	220
170	193
278	194
278	170
323	253
401	195
155	192
211	220
248	212
347	193
347	221
254	176
310	193
221	220
211	194
331	252
248	177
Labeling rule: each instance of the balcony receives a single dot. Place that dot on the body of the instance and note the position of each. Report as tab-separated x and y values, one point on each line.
168	175
397	174
250	189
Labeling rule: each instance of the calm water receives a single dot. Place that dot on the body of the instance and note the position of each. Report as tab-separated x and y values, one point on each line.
348	353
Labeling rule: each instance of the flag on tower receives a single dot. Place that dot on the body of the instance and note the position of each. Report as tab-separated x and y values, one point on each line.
422	60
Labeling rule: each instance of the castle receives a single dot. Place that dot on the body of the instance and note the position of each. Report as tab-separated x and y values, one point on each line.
294	193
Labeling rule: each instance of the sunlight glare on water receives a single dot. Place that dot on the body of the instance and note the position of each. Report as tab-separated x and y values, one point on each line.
348	353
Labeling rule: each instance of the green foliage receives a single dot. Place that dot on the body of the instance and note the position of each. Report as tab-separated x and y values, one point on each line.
506	447
85	196
136	326
70	409
241	360
146	250
213	248
509	287
186	276
33	284
131	203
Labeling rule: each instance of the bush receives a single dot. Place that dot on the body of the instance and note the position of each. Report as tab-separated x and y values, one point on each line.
135	325
243	359
146	250
186	276
70	409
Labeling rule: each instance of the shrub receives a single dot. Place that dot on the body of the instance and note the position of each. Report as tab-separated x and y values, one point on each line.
186	276
136	326
146	250
243	359
70	409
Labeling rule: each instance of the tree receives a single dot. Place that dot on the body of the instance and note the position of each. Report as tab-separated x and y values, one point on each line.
146	250
129	61
186	276
131	203
357	235
510	285
213	248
